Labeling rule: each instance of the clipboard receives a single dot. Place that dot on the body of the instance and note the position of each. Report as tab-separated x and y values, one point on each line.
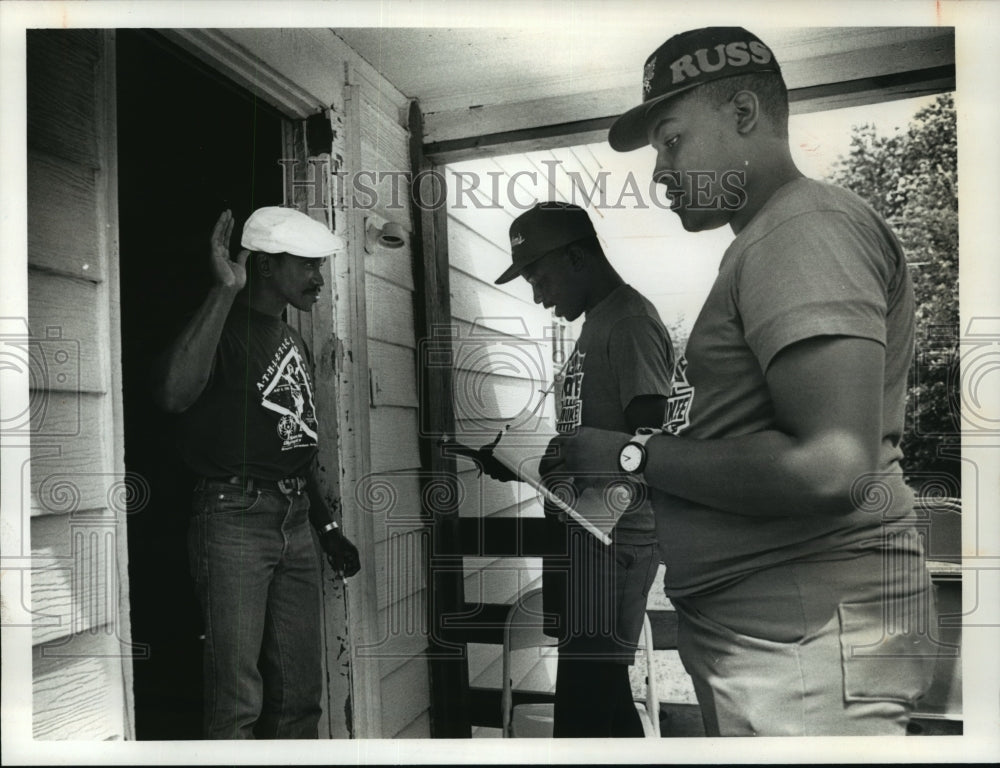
591	509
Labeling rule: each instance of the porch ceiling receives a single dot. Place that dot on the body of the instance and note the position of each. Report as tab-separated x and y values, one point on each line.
476	82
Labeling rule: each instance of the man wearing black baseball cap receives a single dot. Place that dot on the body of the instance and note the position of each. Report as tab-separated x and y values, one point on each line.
783	517
617	378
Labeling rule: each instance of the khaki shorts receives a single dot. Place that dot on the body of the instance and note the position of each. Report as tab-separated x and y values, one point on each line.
813	648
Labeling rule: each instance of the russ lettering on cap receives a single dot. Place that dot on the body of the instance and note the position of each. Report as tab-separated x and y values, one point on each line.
686	61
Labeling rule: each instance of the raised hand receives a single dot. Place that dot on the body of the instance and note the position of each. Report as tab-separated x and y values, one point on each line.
227	272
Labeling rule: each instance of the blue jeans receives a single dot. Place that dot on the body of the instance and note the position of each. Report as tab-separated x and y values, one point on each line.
256	572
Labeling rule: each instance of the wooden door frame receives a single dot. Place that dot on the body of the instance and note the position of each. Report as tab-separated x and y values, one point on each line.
107	126
338	339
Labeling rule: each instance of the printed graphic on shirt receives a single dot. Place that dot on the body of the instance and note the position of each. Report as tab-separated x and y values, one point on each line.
679	402
285	389
569	386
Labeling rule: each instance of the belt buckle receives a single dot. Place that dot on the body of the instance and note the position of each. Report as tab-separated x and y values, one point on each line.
290	485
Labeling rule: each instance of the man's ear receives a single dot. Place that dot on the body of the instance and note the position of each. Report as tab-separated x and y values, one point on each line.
746	107
263	264
577	256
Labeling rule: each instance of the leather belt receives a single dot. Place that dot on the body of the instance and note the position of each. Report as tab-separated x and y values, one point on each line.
287	485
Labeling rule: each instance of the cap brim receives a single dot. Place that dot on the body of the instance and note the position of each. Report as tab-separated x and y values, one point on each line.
514	270
630	131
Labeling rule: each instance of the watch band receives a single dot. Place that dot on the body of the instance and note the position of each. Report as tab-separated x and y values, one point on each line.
331	526
641	437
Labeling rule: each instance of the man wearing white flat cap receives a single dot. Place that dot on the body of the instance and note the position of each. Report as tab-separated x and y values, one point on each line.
241	379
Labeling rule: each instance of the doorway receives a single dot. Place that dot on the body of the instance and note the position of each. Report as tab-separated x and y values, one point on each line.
190	144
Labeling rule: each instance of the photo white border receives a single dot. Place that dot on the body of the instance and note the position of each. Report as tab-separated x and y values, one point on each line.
976	25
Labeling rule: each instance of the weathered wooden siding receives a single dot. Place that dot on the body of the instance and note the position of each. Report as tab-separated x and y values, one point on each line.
81	649
400	539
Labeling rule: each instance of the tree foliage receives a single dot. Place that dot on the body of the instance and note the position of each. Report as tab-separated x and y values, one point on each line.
911	178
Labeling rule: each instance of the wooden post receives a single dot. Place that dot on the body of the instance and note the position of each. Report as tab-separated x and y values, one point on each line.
449	673
114	409
351	353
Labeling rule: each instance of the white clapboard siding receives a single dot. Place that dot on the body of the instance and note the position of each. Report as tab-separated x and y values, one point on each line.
405	695
472	300
472	254
81	668
394	374
74	580
68	472
384	163
392	500
402	633
392	494
78	692
491	221
400	562
394	439
62	94
484	497
62	193
389	312
483	396
499	579
382	135
392	265
420	728
65	328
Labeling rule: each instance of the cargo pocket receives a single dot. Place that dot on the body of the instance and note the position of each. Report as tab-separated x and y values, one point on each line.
884	656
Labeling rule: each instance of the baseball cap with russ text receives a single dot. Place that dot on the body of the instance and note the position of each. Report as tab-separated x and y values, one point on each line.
686	61
541	229
285	230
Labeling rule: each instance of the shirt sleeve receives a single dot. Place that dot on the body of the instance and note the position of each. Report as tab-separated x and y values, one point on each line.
641	353
819	274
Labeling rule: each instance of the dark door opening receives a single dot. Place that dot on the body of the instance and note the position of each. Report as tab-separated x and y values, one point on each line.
190	144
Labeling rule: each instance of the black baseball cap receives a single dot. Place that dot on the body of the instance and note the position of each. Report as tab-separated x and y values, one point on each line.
543	228
686	61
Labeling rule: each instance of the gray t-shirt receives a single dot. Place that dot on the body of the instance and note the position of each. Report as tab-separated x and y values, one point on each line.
623	352
816	260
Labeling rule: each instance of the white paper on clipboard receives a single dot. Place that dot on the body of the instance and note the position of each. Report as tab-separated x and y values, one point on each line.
596	508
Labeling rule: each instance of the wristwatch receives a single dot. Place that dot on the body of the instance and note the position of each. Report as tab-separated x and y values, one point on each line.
632	458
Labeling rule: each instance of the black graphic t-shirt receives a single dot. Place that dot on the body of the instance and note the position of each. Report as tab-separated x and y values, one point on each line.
257	415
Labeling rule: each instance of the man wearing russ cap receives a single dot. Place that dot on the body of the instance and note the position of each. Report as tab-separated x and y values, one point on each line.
781	509
617	378
241	379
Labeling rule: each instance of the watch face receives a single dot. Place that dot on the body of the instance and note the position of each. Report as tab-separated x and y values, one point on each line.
631	457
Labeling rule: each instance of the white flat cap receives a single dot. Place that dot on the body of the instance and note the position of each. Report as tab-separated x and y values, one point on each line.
286	230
